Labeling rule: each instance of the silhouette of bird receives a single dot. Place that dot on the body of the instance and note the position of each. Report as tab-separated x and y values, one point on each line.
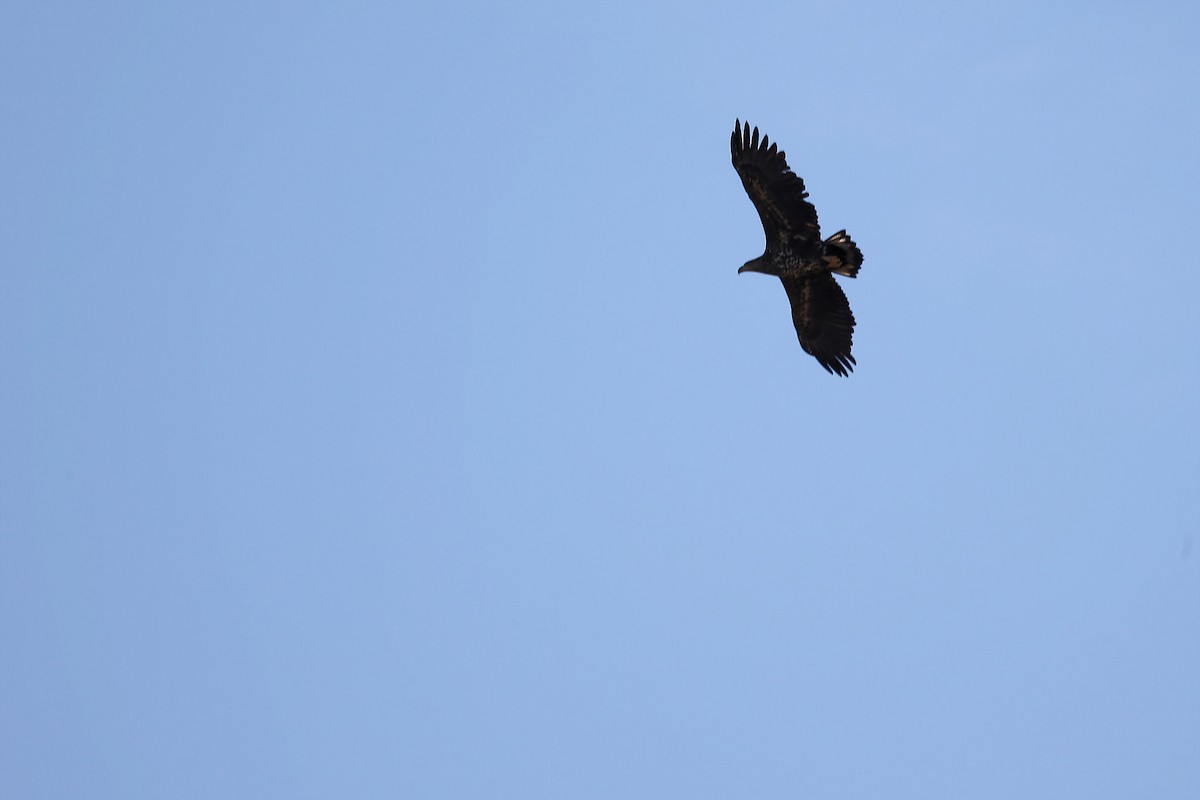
795	251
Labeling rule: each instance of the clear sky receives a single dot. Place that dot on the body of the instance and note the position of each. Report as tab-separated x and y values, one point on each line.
383	415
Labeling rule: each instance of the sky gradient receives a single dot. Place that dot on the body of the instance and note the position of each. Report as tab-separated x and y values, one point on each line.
384	416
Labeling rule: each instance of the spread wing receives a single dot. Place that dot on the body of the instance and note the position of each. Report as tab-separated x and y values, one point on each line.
776	191
823	320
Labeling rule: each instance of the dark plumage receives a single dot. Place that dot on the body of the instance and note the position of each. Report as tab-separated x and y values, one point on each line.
795	252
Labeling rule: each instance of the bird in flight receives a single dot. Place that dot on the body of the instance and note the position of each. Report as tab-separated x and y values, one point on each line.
795	251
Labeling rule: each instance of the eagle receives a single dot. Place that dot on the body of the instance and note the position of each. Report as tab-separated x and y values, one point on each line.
795	251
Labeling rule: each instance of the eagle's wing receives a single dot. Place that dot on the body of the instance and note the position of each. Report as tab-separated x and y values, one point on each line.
776	191
823	320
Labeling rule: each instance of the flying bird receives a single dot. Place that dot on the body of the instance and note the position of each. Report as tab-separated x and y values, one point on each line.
795	252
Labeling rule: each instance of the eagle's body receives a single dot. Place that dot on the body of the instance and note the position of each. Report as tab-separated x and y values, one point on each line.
795	251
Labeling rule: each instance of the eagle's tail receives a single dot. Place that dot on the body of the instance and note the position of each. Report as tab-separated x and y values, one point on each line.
842	255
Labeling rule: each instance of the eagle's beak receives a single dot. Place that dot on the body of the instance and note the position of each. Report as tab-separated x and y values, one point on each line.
752	266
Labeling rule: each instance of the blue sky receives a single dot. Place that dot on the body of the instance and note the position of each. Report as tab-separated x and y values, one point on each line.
383	414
